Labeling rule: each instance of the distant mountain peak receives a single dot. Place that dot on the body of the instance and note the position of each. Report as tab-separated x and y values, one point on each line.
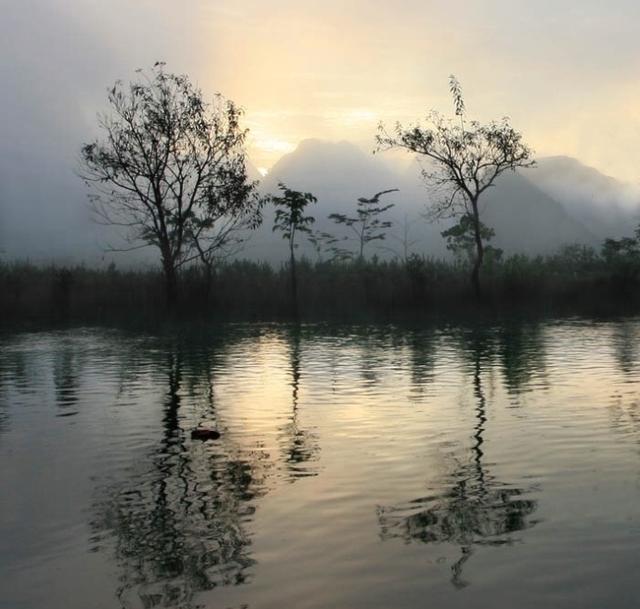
316	163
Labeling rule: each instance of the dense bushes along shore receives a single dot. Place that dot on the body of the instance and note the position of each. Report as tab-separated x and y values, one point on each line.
577	279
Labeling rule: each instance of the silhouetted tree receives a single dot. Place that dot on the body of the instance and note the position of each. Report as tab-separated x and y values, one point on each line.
464	161
171	170
290	220
367	224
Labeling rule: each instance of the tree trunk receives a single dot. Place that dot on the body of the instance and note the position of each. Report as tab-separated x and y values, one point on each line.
477	264
294	283
170	285
208	278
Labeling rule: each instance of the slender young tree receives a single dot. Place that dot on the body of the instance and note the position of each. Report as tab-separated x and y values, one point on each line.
170	170
290	221
463	162
367	225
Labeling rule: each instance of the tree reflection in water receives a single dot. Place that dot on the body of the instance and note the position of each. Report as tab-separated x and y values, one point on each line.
182	525
14	375
66	373
521	352
624	407
422	358
624	340
476	509
299	446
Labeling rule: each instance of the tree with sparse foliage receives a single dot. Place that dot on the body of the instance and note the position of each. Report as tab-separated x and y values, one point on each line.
290	220
170	170
367	225
463	162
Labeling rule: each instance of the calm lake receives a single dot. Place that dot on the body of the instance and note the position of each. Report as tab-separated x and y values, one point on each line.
359	467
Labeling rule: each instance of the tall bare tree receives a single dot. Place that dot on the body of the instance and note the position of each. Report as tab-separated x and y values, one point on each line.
170	169
464	159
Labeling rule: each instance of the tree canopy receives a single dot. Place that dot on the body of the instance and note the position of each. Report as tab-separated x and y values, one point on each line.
170	169
463	159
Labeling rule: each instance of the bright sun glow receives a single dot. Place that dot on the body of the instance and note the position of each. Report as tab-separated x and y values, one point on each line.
274	145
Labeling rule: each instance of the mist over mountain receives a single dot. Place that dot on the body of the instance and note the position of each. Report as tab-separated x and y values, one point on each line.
525	218
44	215
606	206
337	174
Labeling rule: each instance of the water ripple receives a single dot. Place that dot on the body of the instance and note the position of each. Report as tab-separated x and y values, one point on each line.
360	466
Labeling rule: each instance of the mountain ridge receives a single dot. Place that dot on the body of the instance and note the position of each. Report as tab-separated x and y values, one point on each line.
525	217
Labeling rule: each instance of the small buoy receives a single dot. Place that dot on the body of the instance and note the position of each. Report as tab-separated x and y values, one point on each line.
205	434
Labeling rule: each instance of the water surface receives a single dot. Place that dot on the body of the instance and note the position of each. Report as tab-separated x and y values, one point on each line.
358	467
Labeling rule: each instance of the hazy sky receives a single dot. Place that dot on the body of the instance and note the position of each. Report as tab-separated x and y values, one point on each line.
565	71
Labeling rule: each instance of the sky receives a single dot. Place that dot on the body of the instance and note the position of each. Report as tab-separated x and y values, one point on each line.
564	71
